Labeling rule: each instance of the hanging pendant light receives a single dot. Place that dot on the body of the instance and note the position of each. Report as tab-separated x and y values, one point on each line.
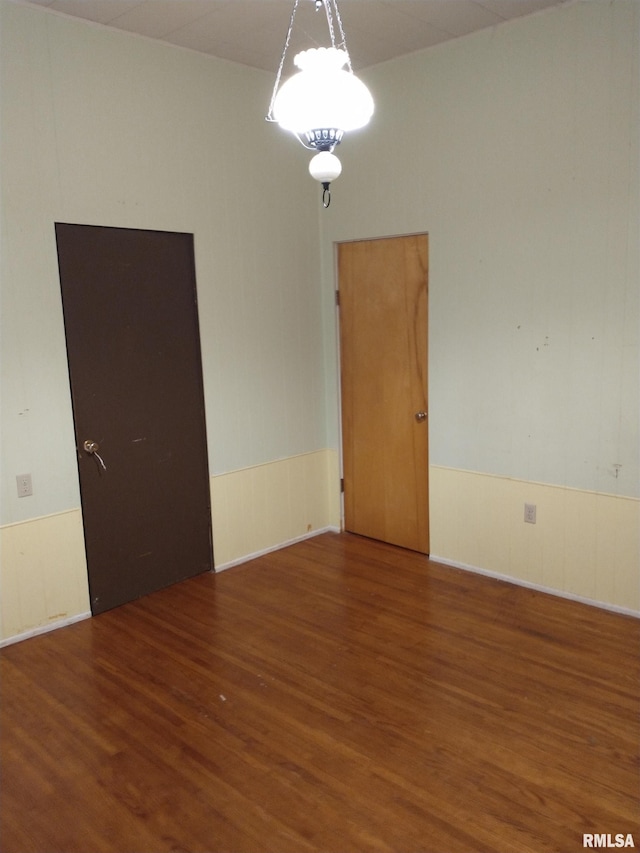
323	100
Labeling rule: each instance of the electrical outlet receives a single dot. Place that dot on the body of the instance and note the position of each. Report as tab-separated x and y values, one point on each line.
24	485
530	513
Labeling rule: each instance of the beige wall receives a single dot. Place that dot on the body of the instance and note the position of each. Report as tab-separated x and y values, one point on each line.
516	148
266	506
583	544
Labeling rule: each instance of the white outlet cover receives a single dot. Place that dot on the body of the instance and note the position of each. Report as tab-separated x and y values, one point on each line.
25	488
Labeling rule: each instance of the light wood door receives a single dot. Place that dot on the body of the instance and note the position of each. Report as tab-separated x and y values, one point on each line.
383	344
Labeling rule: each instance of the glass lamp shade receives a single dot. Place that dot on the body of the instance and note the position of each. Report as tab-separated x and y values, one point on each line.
322	95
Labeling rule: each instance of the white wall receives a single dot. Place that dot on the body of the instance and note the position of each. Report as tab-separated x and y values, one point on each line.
106	128
516	148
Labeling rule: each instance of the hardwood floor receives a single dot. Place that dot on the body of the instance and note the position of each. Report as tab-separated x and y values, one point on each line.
340	695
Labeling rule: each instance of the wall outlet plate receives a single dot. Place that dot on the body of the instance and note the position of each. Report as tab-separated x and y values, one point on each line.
530	513
25	487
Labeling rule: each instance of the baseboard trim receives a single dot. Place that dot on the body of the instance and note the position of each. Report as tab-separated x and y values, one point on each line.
44	629
247	557
603	605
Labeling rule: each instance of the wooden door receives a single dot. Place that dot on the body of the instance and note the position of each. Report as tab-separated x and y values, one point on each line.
133	346
383	344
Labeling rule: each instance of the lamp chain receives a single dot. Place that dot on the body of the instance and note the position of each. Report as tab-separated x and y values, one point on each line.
284	53
327	9
343	38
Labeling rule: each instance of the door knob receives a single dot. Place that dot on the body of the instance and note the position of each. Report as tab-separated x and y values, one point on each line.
421	416
92	447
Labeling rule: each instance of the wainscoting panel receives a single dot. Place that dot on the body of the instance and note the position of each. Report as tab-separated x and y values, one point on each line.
583	544
259	508
43	583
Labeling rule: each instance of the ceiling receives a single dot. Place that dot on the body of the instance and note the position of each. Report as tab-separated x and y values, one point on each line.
252	32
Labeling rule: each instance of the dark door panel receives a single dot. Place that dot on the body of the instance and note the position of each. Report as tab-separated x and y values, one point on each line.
131	323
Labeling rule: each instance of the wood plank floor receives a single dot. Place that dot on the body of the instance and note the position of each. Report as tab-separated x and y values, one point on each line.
339	695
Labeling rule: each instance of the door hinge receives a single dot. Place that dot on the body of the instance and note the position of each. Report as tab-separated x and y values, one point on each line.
337	297
342	484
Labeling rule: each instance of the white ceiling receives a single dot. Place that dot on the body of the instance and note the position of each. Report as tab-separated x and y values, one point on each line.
252	32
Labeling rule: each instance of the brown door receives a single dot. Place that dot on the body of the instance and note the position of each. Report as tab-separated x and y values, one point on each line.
133	347
383	345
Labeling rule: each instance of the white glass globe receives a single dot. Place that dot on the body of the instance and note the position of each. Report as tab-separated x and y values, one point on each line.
322	94
325	167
